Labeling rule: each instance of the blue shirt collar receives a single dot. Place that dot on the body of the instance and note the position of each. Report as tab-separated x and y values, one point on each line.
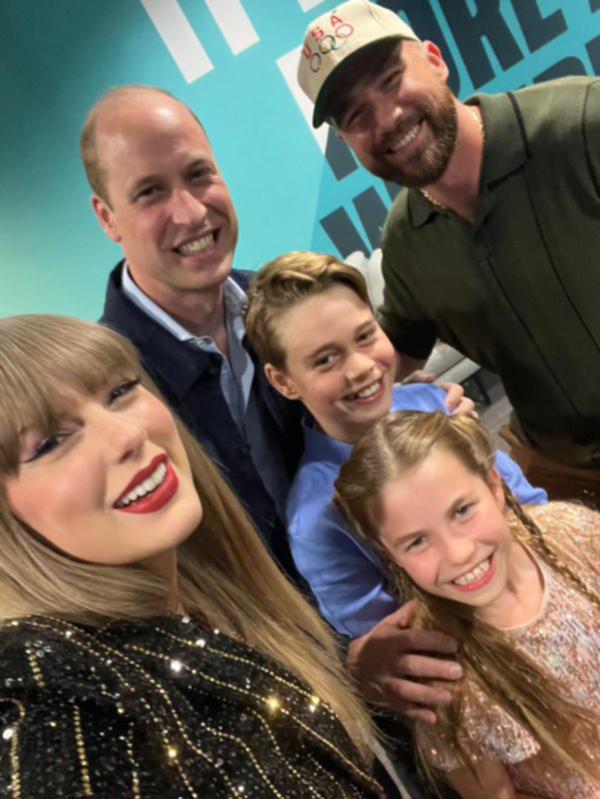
234	297
320	447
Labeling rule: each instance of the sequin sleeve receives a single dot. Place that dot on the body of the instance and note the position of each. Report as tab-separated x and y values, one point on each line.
53	747
162	708
486	731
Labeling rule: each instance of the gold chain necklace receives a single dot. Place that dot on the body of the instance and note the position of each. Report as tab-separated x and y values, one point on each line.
477	117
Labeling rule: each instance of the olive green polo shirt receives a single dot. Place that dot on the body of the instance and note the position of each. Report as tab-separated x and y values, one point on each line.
518	290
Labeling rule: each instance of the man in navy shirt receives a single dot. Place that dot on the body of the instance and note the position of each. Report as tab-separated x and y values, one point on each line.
158	192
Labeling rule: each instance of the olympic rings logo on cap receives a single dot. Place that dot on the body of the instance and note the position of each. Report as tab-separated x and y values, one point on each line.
326	43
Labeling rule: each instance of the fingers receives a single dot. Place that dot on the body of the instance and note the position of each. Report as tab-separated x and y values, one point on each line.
425	641
421	376
454	395
403	617
456	402
467	406
424	668
415	713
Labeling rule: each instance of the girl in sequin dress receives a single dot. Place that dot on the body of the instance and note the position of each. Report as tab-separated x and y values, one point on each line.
149	646
518	591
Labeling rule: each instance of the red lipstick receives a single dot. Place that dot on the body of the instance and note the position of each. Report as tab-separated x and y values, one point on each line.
156	499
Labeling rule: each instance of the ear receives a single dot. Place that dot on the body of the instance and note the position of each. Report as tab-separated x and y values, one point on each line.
106	218
281	382
497	487
433	55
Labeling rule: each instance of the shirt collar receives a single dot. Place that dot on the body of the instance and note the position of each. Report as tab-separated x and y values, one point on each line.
505	150
320	447
234	298
236	303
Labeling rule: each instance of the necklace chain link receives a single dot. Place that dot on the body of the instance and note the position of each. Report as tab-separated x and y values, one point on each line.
477	117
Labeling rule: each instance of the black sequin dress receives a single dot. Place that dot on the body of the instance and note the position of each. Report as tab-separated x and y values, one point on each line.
162	709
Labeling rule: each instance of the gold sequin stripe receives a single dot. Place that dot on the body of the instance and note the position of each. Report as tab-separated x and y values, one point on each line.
15	764
269	732
186	780
135	776
71	629
81	752
331	746
69	632
171	750
251	756
173	753
272	702
323	771
35	666
305	692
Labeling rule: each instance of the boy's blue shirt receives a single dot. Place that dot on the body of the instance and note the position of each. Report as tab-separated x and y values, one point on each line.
344	575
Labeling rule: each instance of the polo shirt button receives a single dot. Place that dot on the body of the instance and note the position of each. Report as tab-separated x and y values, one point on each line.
245	449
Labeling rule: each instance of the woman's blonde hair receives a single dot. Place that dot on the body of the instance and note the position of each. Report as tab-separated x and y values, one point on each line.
283	283
397	444
225	574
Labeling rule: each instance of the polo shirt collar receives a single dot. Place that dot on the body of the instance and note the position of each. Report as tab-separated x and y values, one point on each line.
505	151
420	210
321	448
505	147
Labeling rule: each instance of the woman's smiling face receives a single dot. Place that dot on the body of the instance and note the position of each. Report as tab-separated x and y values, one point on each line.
113	485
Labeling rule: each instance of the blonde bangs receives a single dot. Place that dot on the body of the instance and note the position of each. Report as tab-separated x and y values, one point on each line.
40	357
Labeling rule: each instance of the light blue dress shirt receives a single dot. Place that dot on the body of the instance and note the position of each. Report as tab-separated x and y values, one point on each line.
344	575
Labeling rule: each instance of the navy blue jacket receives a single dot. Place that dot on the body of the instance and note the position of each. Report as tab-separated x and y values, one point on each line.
189	379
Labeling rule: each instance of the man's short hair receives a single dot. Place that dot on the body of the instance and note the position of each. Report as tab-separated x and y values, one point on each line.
283	283
95	171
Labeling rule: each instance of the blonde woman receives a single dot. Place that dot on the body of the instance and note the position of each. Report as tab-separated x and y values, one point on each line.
148	644
518	592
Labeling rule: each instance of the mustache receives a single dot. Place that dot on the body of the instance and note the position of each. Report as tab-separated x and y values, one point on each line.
401	128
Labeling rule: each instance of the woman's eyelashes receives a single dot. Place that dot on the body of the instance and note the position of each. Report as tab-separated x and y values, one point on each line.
123	388
47	444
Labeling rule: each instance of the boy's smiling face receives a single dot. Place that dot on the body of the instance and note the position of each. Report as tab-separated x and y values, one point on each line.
339	362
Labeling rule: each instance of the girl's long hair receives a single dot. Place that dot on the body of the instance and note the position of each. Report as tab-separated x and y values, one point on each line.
226	576
507	676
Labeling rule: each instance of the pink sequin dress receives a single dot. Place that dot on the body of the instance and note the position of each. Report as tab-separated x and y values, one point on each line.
564	637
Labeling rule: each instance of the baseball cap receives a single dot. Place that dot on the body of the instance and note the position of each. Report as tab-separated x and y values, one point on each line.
335	36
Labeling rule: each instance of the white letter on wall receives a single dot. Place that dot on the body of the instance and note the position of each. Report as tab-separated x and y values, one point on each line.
306	5
234	22
288	64
181	41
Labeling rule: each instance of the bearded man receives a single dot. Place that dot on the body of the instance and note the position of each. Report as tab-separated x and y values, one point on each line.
492	247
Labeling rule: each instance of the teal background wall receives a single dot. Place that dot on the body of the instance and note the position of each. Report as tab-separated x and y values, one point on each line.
292	190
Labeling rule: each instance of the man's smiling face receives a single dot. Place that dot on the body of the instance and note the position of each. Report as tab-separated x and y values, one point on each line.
167	203
402	123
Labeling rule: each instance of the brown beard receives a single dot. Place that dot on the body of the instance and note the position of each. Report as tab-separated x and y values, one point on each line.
429	164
